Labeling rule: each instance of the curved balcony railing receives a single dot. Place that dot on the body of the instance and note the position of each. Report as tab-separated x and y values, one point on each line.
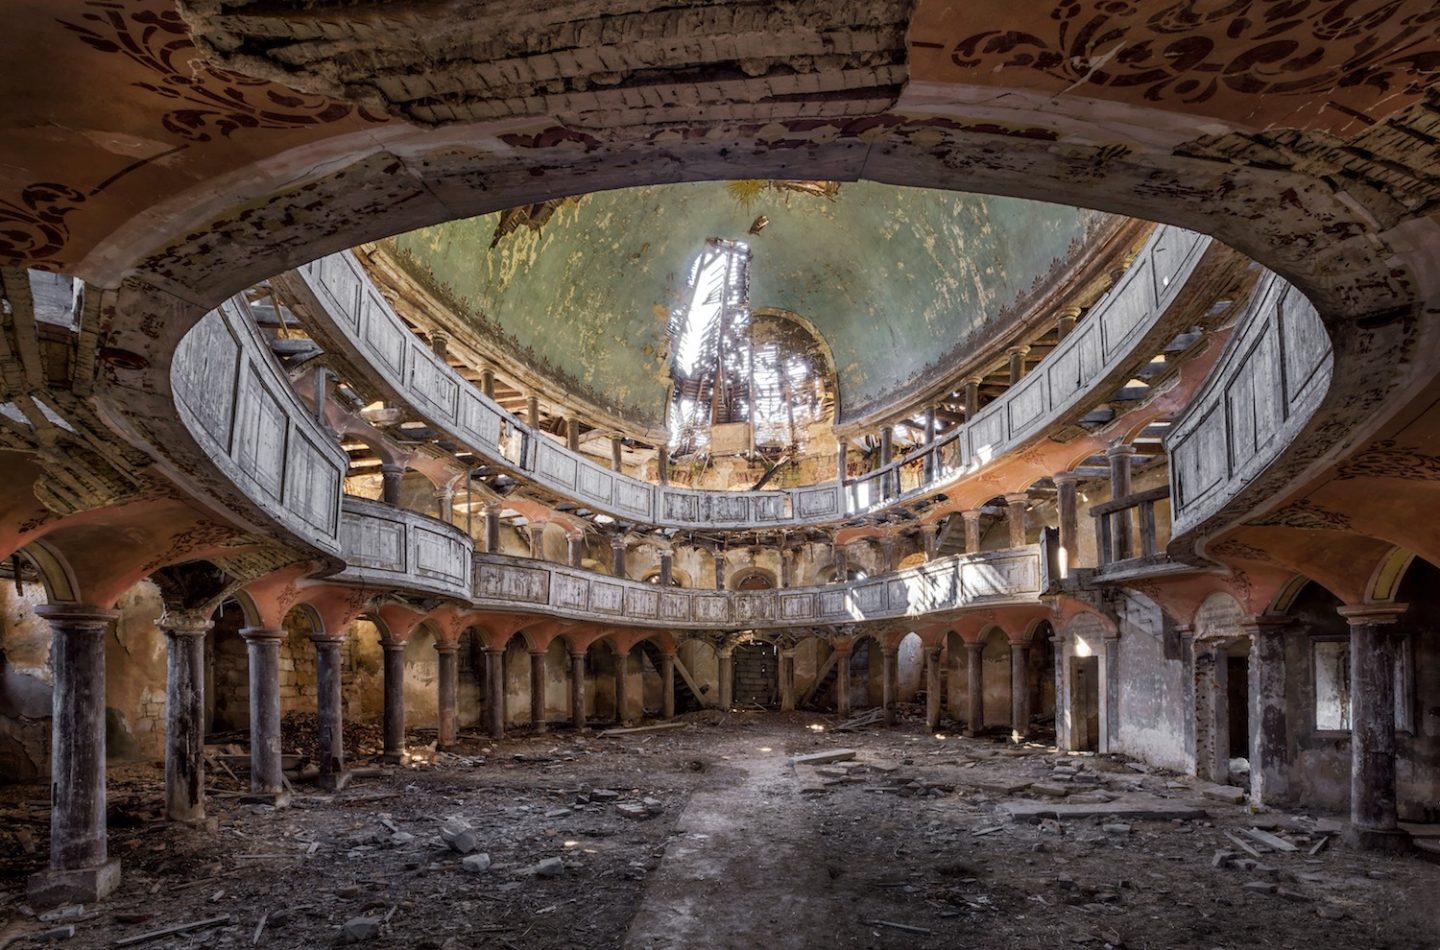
385	546
1266	385
239	406
350	317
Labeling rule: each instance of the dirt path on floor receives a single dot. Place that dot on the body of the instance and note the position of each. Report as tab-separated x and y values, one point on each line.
742	869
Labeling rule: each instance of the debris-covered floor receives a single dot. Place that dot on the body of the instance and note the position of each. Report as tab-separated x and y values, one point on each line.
708	835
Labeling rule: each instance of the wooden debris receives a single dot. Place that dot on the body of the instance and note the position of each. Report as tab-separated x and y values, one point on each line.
260	929
904	928
1274	842
1242	844
171	931
634	729
1320	845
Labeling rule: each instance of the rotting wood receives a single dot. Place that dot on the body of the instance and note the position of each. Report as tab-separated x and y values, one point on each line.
171	931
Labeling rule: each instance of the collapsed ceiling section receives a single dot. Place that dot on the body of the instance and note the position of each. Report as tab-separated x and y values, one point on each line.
899	283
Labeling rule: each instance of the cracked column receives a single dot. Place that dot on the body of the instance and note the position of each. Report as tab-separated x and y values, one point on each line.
537	690
622	685
974	688
932	688
577	691
184	713
1269	734
263	645
1373	817
394	716
1019	692
727	676
1015	506
1212	721
81	870
667	681
447	733
889	681
329	715
495	692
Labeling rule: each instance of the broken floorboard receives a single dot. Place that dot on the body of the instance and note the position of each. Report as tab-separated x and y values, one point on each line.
1133	807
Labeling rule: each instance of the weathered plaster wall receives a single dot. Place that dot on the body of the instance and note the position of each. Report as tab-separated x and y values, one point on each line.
1153	713
897	280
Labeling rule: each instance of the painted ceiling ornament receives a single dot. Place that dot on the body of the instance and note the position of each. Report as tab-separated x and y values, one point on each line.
1304	514
33	229
1389	459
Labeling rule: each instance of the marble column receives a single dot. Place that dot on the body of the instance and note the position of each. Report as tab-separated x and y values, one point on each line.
622	686
972	530
263	644
1373	813
932	688
1015	517
577	691
888	682
390	478
394	715
495	692
975	688
1269	732
787	680
1019	692
329	709
184	713
447	732
1121	455
80	869
537	690
667	681
1067	488
727	678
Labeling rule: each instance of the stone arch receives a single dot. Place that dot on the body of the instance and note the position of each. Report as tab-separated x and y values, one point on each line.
702	662
909	667
752	578
995	682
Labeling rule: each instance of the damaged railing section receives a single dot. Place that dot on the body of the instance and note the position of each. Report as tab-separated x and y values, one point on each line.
239	406
1120	522
349	316
396	549
1014	576
1267	384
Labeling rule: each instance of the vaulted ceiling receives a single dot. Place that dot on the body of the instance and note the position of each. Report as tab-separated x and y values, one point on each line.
901	282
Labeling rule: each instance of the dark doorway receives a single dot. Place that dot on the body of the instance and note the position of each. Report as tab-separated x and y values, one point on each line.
757	674
1085	703
1237	697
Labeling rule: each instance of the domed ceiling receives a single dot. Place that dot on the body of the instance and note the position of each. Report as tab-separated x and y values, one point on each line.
901	282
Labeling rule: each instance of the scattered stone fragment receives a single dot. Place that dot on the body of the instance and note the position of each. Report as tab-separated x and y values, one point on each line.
358	929
1223	859
823	758
633	810
476	863
1259	887
54	934
1330	912
604	795
550	867
1116	828
1223	793
1049	790
558	813
459	836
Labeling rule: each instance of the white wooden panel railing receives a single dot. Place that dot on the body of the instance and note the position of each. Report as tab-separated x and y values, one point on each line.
347	314
395	549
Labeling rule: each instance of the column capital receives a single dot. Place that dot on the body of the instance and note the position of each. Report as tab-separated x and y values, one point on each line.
971	514
1066	478
1021	348
327	639
670	655
493	507
1072	312
618	544
1017	498
446	647
537	653
391	643
185	623
261	634
1364	615
1119	449
494	651
972	380
1264	623
925	529
578	655
935	649
390	468
77	615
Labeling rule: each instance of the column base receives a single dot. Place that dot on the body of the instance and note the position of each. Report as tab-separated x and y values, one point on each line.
392	758
333	781
279	799
80	886
1377	839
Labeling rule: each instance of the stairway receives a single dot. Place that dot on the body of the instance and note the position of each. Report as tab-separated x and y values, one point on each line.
685	698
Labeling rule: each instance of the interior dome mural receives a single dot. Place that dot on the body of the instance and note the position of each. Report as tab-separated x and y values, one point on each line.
900	282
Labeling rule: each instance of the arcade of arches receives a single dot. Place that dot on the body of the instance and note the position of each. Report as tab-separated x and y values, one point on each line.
480	457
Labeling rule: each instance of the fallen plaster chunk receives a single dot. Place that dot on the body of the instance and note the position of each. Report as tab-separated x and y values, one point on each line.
1223	793
1138	809
824	758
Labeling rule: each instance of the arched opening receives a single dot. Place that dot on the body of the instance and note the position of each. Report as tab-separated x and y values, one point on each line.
995	677
909	668
953	660
701	688
754	578
756	668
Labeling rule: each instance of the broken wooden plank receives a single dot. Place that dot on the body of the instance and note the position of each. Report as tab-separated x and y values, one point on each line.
1134	808
893	925
1274	842
1242	844
824	758
171	931
632	730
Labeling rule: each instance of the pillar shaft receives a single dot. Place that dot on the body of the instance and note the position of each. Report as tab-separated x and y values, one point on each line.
667	568
1373	813
390	477
972	531
1017	363
622	685
929	535
572	434
1063	734
1015	517
492	528
577	691
487	382
447	733
394	715
1110	698
537	690
537	540
617	455
787	681
662	465
575	550
667	681
1212	721
617	558
727	681
887	445
932	688
264	653
972	397
495	692
1269	733
1120	457
329	715
1019	692
532	412
1066	323
842	451
1068	492
842	685
975	689
888	685
184	716
445	504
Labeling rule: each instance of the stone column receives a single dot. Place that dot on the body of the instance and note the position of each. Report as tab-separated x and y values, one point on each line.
787	680
1373	817
80	869
617	454
537	540
929	439
842	451
572	434
1120	456
492	527
1015	516
394	715
487	381
887	445
667	568
447	733
1110	724
390	476
932	688
617	557
1186	634
1067	486
888	682
972	397
445	503
495	692
929	534
574	550
972	530
537	690
727	677
1269	735
1212	722
1017	362
842	683
622	685
662	465
887	555
1063	739
184	713
719	571
532	412
321	394
667	680
842	564
264	654
1066	321
439	343
1019	692
329	708
975	688
577	691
